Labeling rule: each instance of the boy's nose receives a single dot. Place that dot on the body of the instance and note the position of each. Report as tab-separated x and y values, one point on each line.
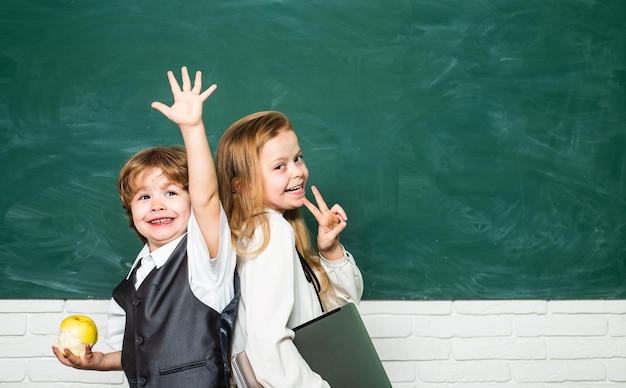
157	206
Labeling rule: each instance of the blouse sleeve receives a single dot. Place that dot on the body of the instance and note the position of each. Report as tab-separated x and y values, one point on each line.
268	288
346	278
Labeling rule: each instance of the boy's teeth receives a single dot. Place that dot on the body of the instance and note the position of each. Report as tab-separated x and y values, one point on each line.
161	221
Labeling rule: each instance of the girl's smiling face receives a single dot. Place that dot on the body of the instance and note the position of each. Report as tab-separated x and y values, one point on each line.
283	171
160	208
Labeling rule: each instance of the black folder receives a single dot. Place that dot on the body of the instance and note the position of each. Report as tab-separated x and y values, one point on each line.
337	346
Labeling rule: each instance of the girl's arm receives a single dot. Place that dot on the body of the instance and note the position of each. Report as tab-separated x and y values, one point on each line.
186	112
331	223
337	262
346	278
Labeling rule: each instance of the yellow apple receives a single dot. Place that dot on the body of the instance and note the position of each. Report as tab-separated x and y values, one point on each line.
76	331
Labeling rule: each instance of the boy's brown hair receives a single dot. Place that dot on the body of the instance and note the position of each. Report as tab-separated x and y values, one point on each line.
171	160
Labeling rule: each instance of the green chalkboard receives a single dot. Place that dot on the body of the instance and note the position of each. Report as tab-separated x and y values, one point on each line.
478	147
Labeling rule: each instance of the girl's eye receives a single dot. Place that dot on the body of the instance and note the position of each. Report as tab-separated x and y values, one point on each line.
280	167
299	158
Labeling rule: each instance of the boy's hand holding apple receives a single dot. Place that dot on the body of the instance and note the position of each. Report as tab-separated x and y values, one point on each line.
76	332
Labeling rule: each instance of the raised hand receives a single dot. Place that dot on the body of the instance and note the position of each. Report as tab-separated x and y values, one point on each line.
331	222
187	108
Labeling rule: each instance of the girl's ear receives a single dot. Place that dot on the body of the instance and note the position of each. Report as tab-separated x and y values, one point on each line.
236	184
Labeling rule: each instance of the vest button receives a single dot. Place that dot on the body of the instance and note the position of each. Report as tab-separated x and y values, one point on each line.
142	380
136	302
139	340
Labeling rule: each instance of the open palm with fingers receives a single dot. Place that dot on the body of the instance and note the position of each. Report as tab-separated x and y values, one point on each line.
188	100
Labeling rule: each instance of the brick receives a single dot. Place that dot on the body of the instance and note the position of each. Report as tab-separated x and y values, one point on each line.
558	371
560	325
588	306
599	384
388	326
13	324
31	305
421	385
412	349
402	372
499	385
616	370
405	307
54	371
463	372
586	348
26	346
617	325
87	306
499	349
479	307
108	385
12	371
463	326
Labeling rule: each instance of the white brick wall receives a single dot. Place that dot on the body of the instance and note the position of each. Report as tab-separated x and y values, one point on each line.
476	344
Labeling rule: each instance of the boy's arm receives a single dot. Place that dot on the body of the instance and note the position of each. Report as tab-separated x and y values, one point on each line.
90	360
186	112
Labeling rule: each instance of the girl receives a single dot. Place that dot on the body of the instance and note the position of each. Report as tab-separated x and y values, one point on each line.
284	282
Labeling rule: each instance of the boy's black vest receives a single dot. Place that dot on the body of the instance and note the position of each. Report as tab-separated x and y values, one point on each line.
172	339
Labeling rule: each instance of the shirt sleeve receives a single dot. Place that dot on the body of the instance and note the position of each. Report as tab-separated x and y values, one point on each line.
211	279
115	326
346	278
268	288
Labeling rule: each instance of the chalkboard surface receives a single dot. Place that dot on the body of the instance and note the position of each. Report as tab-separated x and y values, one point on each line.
478	147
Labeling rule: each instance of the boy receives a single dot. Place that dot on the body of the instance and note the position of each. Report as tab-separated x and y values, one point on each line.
170	320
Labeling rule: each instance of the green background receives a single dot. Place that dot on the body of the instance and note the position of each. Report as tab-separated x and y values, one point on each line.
478	147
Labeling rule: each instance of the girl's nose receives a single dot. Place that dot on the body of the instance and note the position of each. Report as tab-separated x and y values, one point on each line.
298	171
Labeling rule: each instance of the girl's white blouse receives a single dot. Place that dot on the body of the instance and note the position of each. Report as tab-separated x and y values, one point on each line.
276	297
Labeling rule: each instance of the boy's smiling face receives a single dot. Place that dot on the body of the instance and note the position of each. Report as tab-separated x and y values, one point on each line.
160	208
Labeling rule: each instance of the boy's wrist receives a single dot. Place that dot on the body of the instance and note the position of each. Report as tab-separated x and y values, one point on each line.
191	127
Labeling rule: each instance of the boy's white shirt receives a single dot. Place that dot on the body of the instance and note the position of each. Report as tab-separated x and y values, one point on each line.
211	281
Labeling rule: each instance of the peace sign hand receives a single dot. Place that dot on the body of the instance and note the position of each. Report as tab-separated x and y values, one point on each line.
331	223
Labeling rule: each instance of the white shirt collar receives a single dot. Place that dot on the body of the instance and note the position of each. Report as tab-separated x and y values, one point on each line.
159	255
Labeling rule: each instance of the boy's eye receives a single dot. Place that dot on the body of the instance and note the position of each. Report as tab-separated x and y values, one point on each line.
299	158
171	193
143	197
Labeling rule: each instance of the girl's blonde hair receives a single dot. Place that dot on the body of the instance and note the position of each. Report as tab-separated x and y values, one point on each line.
171	160
238	171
